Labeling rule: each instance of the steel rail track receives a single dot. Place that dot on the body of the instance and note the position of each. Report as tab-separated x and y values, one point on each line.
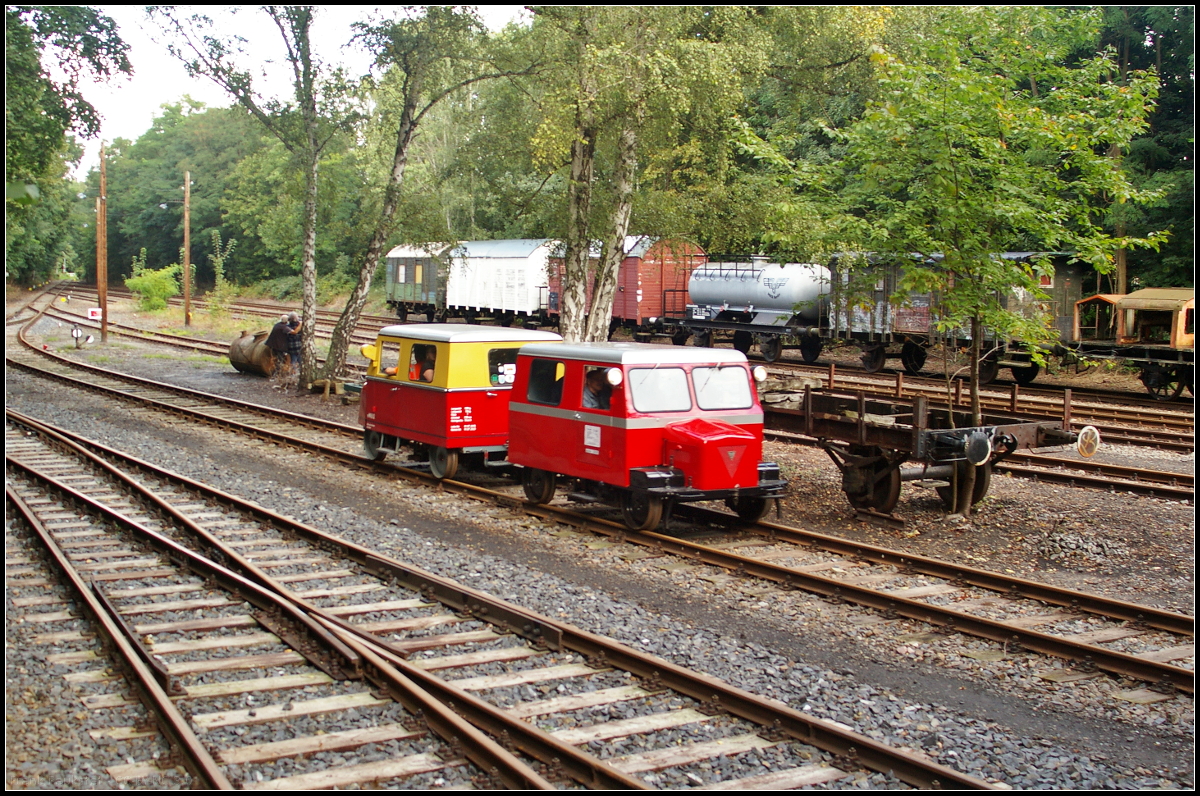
1150	671
1124	664
291	619
381	653
171	722
852	372
1169	433
1101	476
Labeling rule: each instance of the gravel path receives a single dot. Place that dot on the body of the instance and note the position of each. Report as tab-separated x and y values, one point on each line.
885	679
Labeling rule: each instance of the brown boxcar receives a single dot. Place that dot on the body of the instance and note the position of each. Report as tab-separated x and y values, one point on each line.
652	284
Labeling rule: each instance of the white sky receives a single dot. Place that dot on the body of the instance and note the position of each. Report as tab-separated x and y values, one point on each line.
128	106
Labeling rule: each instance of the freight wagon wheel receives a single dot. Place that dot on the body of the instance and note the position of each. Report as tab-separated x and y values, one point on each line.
1025	376
1164	384
989	369
873	359
703	339
681	337
983	482
443	463
640	511
742	341
771	347
748	509
372	440
863	491
913	358
810	349
539	485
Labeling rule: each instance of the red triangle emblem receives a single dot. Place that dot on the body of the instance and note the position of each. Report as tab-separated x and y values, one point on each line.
731	455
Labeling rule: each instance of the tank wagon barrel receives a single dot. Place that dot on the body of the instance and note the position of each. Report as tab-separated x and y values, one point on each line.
249	354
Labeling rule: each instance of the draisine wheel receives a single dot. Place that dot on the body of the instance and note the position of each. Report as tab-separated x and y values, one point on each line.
640	511
748	509
372	440
989	369
1165	384
443	463
810	349
1025	376
742	341
863	491
539	485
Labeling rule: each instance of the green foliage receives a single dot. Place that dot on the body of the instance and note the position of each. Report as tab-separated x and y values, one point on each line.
40	110
153	287
223	291
993	140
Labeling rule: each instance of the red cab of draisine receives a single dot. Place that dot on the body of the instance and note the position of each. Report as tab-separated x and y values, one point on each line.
674	423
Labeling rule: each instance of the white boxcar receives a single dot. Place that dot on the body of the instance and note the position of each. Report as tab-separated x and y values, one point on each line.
500	275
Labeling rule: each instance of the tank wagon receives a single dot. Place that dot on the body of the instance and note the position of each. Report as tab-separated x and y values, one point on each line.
442	390
1152	329
803	306
642	426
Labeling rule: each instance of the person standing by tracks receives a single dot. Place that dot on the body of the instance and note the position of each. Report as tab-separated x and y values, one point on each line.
294	341
277	341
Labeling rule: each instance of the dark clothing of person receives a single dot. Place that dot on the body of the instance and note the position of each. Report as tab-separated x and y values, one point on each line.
277	341
294	345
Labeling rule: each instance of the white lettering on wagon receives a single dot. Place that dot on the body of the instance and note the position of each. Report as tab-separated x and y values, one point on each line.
460	419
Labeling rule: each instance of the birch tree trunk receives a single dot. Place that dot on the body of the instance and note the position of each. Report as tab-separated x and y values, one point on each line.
335	362
613	253
573	314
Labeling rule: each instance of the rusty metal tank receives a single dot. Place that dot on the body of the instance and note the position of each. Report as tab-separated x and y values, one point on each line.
249	354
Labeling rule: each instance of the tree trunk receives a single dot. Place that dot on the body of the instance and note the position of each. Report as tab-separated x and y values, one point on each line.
308	274
578	245
966	483
614	246
335	362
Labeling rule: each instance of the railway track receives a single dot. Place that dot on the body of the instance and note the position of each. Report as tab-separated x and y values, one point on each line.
1134	422
240	414
357	631
1078	648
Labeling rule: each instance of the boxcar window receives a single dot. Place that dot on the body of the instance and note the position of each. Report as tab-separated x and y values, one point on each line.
546	382
659	390
722	388
502	366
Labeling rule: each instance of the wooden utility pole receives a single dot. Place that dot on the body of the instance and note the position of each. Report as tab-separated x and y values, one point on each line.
102	247
187	248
